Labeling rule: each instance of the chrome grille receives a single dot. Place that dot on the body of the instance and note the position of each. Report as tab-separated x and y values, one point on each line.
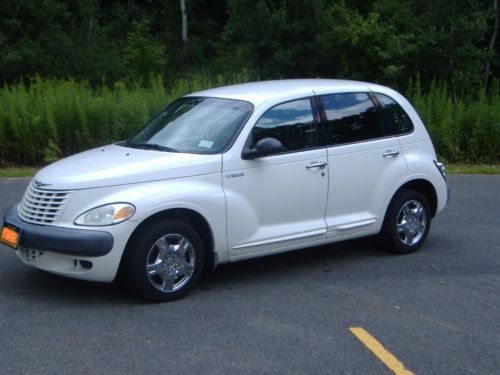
41	206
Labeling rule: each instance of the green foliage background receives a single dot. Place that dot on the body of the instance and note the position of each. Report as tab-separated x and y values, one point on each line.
81	73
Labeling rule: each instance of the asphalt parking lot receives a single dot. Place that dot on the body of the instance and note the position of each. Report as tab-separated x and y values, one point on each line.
436	311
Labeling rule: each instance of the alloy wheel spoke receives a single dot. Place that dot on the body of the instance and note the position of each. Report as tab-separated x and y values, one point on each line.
187	269
183	247
168	282
419	211
155	268
163	248
404	229
407	209
408	238
421	228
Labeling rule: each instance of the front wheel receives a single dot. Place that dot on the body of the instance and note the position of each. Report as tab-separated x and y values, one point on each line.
164	260
407	222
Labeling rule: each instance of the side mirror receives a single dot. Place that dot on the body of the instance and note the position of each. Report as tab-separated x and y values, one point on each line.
264	147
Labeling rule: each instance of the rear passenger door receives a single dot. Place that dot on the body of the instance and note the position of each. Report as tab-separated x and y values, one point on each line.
364	163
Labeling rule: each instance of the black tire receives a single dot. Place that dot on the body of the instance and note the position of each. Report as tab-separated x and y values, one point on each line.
153	247
402	231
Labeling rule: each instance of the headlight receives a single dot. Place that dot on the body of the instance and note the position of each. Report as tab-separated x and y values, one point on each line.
106	215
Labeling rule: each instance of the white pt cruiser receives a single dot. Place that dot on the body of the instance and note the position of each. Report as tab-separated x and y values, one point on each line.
233	173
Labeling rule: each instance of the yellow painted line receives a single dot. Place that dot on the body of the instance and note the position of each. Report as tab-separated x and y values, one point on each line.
380	352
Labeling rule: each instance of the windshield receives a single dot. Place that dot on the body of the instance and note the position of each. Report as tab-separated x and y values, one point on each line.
194	125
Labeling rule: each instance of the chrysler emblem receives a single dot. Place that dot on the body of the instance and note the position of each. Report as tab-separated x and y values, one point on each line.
40	184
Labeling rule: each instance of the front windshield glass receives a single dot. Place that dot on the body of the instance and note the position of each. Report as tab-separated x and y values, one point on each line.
194	125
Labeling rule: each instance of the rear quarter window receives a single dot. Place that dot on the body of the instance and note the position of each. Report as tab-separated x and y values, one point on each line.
398	120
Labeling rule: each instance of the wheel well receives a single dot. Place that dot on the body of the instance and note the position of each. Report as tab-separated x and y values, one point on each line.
196	220
424	187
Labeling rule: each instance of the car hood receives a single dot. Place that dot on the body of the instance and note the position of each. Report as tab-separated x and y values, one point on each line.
116	165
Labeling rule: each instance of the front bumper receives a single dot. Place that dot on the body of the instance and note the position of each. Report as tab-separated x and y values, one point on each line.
68	241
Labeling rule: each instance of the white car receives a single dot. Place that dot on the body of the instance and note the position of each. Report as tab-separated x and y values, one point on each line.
233	173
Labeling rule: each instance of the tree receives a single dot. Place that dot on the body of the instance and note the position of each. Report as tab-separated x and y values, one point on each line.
308	38
383	40
143	55
184	24
491	45
442	39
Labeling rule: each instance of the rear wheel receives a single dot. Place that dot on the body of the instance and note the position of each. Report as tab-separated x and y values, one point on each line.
407	222
164	260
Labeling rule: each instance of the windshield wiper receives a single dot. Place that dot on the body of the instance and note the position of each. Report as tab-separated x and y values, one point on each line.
150	146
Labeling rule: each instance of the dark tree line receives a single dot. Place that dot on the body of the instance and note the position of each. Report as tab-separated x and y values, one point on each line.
387	41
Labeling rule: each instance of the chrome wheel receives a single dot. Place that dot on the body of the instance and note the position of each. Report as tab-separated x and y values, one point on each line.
170	262
411	222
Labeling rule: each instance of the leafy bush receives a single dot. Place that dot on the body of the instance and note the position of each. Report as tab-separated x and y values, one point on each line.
47	119
464	129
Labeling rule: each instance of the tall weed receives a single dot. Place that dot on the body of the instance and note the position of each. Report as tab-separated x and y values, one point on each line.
45	119
464	129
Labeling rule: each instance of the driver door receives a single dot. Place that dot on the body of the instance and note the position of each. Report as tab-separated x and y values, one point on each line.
278	202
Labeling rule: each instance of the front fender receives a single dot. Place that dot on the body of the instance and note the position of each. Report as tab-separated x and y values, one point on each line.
202	194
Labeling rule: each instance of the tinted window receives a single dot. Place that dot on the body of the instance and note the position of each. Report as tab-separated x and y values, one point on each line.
398	119
351	117
291	123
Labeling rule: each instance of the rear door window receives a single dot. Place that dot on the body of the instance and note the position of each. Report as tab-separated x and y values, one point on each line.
351	117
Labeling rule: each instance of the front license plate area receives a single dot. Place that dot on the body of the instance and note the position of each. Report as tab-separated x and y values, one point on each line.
10	236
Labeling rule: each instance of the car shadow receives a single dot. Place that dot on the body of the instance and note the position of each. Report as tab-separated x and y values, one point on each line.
325	258
43	286
33	284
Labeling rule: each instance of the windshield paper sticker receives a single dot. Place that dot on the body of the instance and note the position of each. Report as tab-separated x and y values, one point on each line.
205	144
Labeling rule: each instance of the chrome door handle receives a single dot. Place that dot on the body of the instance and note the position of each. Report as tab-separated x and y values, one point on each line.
316	164
390	154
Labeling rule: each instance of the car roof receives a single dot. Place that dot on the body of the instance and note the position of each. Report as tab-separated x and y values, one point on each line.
260	92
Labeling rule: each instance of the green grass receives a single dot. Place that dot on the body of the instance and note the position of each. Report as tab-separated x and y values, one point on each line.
18	172
450	169
472	169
